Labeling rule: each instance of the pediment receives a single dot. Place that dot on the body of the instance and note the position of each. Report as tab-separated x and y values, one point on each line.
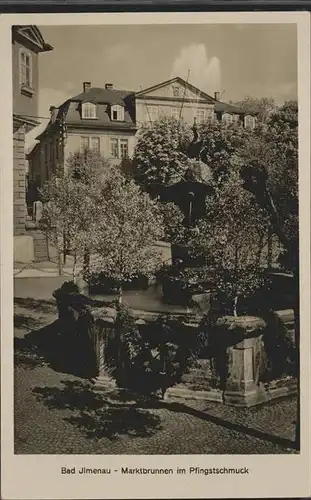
177	88
32	35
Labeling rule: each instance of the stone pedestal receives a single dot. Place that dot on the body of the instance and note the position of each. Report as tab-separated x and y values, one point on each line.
100	332
23	249
245	360
104	383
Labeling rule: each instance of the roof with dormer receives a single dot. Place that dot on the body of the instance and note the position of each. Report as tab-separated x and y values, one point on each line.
70	111
103	96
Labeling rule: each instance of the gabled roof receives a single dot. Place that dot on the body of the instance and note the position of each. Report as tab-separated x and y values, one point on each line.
32	151
103	96
223	107
72	117
182	82
220	107
31	35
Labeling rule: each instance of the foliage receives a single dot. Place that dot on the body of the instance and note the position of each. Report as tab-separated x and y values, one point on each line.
122	236
153	357
105	217
262	107
280	350
275	148
160	154
219	143
70	203
213	345
230	236
174	230
68	295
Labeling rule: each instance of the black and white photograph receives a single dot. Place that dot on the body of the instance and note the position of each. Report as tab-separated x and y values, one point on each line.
156	244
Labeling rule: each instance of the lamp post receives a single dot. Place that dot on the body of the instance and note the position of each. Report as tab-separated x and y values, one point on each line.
255	181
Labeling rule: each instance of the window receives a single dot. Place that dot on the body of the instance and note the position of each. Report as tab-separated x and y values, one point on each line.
92	143
227	118
200	115
175	91
118	148
124	148
117	113
114	153
85	143
88	110
209	115
95	144
25	69
249	122
152	113
175	113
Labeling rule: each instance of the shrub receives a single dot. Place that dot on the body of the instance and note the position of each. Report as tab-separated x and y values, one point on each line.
151	358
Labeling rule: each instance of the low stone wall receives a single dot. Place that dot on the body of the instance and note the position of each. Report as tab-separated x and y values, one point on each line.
247	361
239	356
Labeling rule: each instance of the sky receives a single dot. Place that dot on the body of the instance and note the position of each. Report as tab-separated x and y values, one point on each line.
258	60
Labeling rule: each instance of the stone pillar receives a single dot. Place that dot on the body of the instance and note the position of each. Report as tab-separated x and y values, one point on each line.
246	361
100	333
19	179
243	388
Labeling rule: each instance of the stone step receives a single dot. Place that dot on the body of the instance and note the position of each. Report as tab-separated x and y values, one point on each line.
104	383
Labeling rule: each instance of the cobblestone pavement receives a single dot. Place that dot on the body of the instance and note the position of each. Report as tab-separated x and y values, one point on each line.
57	412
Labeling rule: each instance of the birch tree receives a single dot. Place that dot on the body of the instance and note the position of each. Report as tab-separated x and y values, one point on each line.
228	237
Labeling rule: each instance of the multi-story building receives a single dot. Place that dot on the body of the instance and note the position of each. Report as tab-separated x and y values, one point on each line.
27	44
107	120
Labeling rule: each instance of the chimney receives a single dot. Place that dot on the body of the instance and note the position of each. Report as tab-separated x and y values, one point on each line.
87	86
216	96
109	86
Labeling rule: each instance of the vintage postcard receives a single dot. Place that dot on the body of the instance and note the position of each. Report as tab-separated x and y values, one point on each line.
155	274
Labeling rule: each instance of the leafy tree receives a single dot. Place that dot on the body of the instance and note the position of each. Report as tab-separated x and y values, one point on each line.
275	145
261	106
160	154
123	232
219	144
106	219
70	203
174	230
259	180
229	237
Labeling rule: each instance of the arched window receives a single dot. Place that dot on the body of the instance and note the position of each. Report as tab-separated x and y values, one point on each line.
117	113
88	110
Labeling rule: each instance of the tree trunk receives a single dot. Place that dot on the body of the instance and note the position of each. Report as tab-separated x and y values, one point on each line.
59	262
47	246
120	298
65	248
86	264
270	242
235	303
74	269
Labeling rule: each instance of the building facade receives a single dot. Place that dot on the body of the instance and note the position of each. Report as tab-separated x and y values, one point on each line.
27	44
107	120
